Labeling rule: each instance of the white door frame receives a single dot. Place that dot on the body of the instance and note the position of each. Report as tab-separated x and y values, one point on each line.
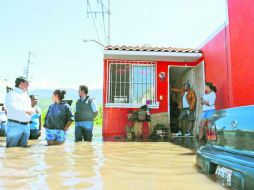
168	95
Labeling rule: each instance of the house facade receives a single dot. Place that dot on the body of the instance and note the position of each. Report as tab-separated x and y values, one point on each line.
134	76
137	76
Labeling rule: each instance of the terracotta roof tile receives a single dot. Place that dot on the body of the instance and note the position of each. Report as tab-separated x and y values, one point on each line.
150	48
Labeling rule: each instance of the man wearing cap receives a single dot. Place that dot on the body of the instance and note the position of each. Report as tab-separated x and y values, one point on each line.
19	111
35	125
187	105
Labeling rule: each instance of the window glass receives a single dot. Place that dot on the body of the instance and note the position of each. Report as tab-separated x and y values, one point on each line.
131	83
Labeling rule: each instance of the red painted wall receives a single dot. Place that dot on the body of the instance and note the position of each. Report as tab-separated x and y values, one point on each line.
217	67
229	57
241	27
115	119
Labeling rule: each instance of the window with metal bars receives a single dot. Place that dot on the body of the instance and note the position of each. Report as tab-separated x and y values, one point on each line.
131	83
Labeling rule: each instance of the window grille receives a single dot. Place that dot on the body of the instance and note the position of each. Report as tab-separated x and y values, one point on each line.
131	82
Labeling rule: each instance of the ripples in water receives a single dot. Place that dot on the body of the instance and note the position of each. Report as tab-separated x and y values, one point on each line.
101	165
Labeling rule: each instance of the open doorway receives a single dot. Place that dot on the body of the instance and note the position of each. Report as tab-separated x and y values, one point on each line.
178	75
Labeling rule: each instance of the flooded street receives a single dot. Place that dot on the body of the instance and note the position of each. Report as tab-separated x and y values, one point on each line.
101	165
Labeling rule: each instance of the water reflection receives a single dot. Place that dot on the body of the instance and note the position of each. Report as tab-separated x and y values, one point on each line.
98	165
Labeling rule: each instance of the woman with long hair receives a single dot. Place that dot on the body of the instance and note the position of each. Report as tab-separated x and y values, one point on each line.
208	102
58	119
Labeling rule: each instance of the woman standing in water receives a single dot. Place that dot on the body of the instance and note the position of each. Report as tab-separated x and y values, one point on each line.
208	102
58	119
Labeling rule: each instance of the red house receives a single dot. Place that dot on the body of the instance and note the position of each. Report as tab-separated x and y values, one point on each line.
134	76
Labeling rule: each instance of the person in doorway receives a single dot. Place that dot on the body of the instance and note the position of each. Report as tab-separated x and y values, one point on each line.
187	105
19	111
86	111
208	102
58	119
3	120
35	125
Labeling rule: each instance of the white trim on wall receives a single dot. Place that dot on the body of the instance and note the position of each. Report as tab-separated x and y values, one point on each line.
226	16
152	56
217	31
119	105
169	94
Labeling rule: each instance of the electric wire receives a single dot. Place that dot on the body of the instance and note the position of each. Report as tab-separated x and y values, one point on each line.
95	27
103	19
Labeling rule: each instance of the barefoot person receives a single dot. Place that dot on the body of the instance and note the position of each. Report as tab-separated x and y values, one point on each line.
208	102
58	119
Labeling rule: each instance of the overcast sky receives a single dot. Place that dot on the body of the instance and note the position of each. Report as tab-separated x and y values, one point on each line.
53	30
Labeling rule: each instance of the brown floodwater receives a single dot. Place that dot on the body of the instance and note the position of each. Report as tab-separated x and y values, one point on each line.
101	165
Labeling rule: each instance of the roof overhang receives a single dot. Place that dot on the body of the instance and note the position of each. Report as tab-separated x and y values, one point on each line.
152	56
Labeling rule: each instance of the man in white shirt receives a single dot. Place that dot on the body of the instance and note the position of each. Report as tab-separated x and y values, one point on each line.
19	111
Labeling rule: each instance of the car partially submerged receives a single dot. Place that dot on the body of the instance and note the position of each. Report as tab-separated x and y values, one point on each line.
229	152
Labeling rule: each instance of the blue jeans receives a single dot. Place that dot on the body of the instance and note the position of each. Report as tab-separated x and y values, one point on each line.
17	134
2	129
83	129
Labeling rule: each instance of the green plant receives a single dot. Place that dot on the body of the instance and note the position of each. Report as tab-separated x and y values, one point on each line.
99	117
160	126
141	112
142	115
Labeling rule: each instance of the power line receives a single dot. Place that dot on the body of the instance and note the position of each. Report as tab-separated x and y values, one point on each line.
28	67
104	10
103	19
109	22
88	4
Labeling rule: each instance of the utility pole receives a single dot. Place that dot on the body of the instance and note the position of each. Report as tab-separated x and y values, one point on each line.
27	69
108	22
104	11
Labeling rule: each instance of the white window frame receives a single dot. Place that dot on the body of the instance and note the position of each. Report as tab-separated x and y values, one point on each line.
154	105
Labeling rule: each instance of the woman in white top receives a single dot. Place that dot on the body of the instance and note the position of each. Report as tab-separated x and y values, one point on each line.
208	102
